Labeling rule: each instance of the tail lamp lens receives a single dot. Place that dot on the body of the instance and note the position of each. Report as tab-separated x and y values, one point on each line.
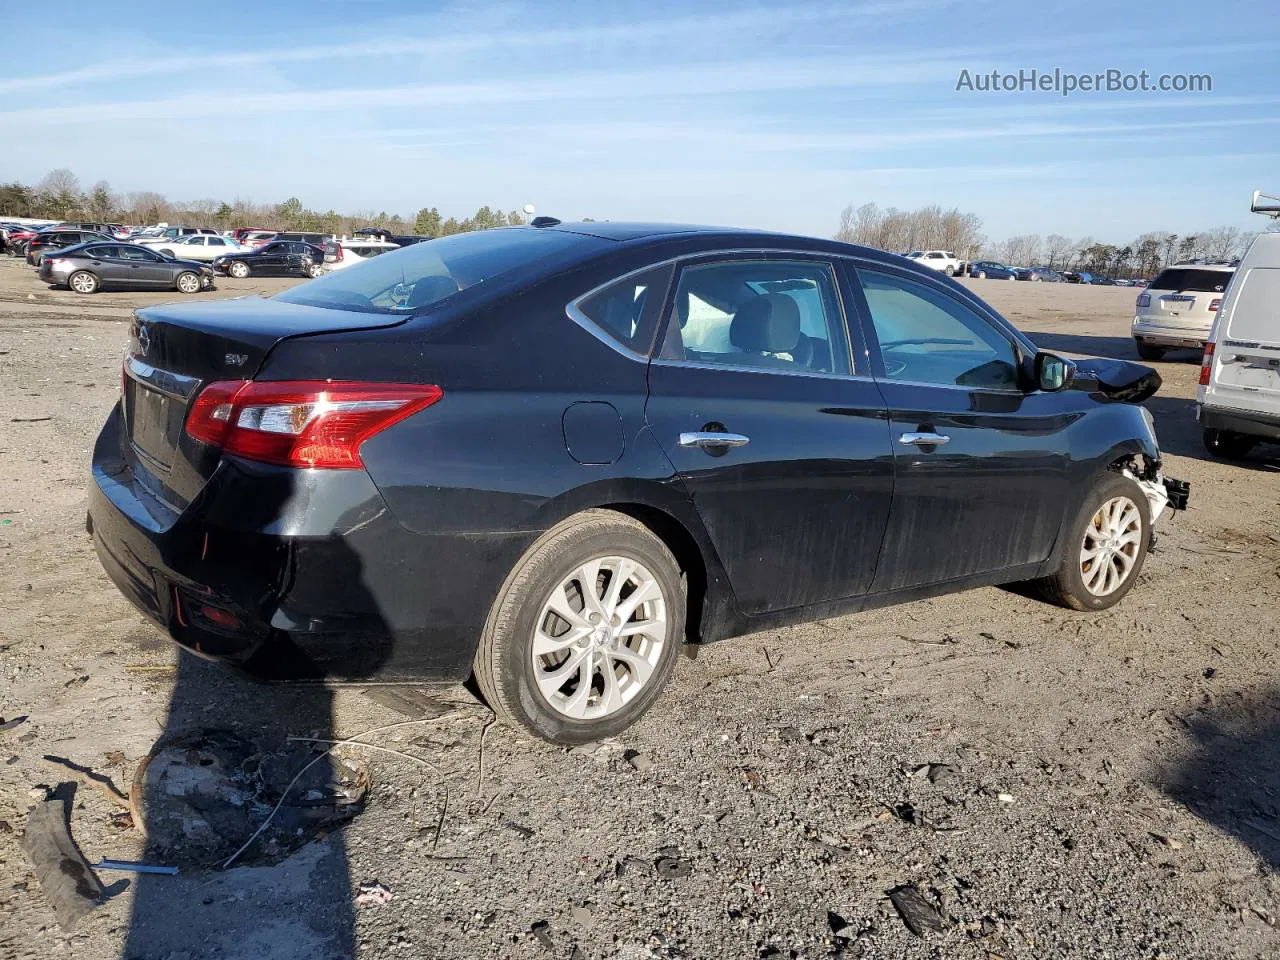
302	423
1144	300
1215	304
1206	365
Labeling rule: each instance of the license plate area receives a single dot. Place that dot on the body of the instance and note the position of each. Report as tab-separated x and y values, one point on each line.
155	424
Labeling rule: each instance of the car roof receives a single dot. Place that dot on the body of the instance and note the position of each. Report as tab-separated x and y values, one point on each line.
1191	265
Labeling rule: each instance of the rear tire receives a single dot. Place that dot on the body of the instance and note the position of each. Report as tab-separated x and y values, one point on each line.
950	271
167	252
82	281
187	282
1226	444
1115	524
238	269
551	697
314	270
1147	352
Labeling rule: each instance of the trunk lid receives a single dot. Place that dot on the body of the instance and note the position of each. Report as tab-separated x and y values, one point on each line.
177	349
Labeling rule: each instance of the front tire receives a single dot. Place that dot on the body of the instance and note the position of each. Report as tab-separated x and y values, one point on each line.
950	271
982	274
238	269
187	282
314	270
583	635
1226	444
1105	549
1148	352
82	281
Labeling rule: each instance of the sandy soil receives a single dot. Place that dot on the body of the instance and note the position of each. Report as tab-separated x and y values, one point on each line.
1111	790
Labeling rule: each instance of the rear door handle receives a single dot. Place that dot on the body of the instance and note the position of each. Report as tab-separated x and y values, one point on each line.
712	440
923	439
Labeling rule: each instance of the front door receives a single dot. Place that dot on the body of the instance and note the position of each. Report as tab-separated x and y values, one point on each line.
784	453
980	463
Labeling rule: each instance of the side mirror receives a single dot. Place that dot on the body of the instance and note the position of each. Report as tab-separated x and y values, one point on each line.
1053	372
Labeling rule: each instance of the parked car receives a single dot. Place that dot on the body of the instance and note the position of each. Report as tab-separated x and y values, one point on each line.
944	261
49	240
990	269
17	238
315	239
549	455
382	234
169	234
1178	308
202	247
1098	281
258	238
1238	399
1040	274
239	234
95	266
278	258
340	254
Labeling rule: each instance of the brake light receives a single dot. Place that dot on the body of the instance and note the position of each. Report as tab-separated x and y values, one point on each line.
53	261
302	423
1215	304
1144	300
1206	364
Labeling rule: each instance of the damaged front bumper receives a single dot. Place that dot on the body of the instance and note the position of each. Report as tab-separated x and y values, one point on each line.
1161	492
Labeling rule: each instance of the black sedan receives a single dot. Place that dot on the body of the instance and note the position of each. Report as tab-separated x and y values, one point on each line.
91	267
549	455
47	241
1045	274
280	258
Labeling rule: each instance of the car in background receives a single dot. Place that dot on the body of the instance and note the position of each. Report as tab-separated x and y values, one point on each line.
1100	281
340	254
944	261
1178	307
257	238
1238	397
315	239
202	247
48	241
400	240
1038	274
279	258
169	234
548	456
240	233
992	270
95	266
18	236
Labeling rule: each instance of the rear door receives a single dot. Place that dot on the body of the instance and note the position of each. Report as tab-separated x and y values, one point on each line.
980	465
1247	354
778	437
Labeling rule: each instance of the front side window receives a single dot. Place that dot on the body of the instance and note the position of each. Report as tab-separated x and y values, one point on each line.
926	336
103	252
627	310
140	254
771	314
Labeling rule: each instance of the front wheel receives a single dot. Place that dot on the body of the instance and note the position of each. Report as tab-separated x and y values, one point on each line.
1106	548
314	270
982	275
238	269
1148	352
950	271
584	634
188	283
1227	444
83	281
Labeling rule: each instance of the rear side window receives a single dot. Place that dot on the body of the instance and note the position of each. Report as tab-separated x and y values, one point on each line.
1256	313
1191	279
627	310
103	252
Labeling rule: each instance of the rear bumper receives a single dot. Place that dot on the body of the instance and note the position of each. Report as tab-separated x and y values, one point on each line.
1167	336
1264	426
292	575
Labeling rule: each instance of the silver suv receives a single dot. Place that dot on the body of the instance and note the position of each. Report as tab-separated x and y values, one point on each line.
1178	307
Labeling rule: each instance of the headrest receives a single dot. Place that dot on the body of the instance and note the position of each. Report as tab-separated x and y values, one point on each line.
430	289
766	324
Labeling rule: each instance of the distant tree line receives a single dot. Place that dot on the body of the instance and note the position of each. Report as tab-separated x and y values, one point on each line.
933	228
59	196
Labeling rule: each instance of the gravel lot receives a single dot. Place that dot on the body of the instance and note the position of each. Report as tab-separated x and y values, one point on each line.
1101	786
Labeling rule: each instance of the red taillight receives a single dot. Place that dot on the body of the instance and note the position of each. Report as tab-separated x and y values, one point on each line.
1215	304
302	423
1206	365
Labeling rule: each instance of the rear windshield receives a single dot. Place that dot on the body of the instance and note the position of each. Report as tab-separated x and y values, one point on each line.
412	278
1192	279
1256	314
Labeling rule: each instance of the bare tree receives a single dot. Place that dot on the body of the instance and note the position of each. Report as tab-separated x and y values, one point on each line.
1222	243
1057	249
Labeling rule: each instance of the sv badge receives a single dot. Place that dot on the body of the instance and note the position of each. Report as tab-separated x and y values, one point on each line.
235	359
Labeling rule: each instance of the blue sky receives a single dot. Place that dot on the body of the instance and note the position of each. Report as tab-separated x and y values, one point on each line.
768	115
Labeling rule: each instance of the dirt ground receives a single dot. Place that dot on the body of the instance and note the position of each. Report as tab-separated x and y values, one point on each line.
1103	786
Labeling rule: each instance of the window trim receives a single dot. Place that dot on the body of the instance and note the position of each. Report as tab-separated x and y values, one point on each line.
1023	349
573	310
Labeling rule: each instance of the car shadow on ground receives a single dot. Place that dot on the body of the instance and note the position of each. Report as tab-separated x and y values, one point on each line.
1231	777
1116	348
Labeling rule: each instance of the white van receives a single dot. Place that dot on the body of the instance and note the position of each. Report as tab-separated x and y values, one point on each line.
1238	400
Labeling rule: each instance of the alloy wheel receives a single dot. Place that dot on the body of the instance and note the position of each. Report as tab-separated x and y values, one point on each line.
84	283
188	283
598	638
1112	543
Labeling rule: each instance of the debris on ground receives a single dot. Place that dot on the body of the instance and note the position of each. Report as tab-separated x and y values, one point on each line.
373	893
203	795
11	724
1173	843
132	866
672	868
541	931
66	879
919	914
639	762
